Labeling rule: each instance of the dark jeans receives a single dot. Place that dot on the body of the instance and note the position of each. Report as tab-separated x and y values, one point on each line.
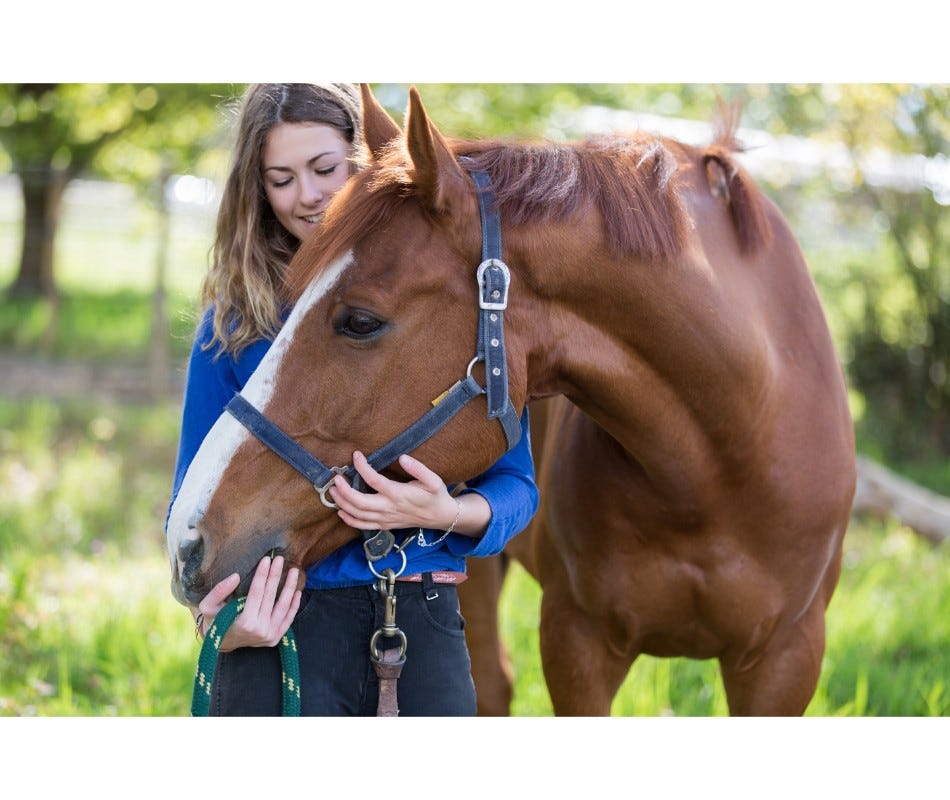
333	629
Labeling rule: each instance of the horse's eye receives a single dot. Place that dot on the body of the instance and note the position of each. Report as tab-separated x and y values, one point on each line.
359	325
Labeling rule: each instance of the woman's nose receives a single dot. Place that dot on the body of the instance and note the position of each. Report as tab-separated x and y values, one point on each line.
310	192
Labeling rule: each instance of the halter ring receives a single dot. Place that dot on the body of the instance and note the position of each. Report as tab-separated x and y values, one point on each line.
399	571
322	490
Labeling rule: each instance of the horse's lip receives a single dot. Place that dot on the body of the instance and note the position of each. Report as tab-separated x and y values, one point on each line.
244	585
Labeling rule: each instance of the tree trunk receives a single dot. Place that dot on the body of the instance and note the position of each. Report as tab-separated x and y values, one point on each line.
42	188
882	492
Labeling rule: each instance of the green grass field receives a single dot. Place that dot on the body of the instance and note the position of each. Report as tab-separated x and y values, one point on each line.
88	627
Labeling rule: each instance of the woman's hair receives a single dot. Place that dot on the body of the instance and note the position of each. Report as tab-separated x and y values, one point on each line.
251	248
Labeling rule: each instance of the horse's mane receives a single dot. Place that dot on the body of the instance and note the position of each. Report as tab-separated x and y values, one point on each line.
630	179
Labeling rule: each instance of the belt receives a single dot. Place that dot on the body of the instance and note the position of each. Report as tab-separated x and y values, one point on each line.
437	577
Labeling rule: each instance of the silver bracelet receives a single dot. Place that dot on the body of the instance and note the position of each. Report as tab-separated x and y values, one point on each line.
421	539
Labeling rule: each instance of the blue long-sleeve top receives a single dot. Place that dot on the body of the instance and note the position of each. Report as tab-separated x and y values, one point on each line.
508	486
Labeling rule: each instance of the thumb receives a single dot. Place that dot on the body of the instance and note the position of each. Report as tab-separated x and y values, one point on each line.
215	600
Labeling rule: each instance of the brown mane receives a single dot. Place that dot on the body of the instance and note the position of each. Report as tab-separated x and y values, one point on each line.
630	179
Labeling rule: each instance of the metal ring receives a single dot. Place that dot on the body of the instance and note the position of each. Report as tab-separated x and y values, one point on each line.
397	574
322	490
472	363
374	651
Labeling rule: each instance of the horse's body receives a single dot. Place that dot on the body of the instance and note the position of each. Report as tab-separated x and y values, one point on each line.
696	489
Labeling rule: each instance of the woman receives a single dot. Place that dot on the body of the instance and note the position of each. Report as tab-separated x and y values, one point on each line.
296	146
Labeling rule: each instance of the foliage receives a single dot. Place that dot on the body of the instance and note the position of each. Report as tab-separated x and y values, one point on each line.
135	133
889	291
125	132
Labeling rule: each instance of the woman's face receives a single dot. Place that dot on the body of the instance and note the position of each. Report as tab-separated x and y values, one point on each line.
304	165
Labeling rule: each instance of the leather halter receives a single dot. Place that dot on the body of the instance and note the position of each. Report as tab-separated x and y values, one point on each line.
493	280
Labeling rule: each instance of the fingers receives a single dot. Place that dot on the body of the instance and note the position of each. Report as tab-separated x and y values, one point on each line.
352	500
267	615
263	588
419	502
373	479
430	481
215	600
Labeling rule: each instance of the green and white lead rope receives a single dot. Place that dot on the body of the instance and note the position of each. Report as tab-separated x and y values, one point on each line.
208	660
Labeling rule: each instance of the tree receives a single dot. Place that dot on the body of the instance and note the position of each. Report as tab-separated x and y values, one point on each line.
899	339
56	132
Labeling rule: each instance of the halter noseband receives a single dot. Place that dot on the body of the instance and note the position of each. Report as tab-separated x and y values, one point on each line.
493	280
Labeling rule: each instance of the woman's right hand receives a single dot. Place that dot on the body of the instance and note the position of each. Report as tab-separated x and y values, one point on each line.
266	616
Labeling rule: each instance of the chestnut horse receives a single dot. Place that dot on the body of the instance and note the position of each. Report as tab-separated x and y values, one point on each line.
697	486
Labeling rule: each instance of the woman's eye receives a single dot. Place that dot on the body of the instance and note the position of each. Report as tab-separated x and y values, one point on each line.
327	170
359	325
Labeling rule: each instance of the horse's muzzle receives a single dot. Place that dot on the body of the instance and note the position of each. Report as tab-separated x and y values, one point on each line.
190	555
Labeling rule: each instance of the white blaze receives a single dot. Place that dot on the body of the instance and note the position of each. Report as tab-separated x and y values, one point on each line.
227	434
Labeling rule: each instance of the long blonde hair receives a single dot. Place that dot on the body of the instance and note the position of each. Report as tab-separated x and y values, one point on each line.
251	248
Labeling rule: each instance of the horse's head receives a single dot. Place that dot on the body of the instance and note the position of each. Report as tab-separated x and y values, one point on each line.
385	321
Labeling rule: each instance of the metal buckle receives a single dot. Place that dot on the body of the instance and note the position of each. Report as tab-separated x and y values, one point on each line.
499	303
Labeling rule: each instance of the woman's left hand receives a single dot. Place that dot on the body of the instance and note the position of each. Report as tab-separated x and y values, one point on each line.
423	502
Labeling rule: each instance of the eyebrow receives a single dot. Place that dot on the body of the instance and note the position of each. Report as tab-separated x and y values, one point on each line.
309	161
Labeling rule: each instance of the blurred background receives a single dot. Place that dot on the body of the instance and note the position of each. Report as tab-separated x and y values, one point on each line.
108	194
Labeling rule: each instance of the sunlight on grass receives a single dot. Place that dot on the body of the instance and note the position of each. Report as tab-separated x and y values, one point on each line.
88	625
887	655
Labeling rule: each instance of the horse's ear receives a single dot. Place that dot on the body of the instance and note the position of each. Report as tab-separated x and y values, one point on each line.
439	179
379	129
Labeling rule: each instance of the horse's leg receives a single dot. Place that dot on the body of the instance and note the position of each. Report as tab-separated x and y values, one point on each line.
491	667
781	678
582	670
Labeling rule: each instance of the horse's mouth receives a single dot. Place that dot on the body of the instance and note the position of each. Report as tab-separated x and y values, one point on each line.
191	584
246	578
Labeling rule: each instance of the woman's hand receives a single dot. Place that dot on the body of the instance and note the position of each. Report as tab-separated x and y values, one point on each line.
266	616
422	502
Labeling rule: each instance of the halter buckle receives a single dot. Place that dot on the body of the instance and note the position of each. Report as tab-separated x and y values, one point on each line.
499	299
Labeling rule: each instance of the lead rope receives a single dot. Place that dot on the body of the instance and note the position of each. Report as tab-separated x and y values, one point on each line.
208	661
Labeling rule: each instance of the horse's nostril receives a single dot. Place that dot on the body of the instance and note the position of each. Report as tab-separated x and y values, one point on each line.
190	553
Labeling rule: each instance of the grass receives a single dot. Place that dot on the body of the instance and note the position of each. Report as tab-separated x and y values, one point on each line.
88	627
92	326
887	645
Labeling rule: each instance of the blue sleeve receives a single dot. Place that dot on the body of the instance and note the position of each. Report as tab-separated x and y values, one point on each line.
210	383
510	489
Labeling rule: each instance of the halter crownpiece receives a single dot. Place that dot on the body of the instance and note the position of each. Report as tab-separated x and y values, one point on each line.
493	278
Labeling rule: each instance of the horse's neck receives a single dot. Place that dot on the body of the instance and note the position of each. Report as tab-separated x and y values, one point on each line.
641	355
